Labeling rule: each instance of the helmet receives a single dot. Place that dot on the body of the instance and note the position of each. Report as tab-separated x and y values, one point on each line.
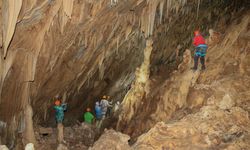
97	103
104	97
108	97
57	102
196	32
88	109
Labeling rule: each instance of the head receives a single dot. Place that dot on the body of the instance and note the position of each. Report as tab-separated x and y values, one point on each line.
104	97
97	103
57	102
108	97
88	109
196	32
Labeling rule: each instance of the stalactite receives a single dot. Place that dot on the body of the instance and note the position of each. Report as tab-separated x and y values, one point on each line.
128	31
101	66
161	10
198	7
66	12
152	10
117	44
113	2
11	10
68	7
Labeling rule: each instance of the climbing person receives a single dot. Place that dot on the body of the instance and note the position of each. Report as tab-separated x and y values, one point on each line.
98	113
88	116
200	50
60	108
104	106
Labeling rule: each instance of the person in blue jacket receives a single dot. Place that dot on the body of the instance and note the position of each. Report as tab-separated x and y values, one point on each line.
59	108
98	113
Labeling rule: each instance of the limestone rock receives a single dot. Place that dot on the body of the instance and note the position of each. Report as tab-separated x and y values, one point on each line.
61	147
3	147
195	131
112	140
45	130
29	146
227	102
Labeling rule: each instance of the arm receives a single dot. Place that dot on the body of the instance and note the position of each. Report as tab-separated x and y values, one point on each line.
64	106
109	104
194	41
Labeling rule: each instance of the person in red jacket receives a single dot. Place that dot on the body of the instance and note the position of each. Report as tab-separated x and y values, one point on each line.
200	50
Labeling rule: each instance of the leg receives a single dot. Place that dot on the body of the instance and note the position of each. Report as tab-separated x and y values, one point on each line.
196	59
203	63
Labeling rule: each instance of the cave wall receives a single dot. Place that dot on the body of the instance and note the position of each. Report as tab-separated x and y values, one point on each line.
81	50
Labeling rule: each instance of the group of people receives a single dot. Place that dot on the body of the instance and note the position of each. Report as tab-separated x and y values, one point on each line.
103	108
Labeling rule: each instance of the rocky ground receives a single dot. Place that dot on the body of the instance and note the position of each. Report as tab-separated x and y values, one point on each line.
77	137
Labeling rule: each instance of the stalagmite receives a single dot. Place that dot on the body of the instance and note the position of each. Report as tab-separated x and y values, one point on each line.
11	11
29	146
29	135
135	95
61	147
3	147
60	133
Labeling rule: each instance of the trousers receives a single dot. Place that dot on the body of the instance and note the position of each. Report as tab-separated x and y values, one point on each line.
196	61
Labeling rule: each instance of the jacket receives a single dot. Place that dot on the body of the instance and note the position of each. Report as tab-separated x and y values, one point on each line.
198	40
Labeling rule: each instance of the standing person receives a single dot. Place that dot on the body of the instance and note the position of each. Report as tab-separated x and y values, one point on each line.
109	109
88	116
98	113
60	108
104	105
200	50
